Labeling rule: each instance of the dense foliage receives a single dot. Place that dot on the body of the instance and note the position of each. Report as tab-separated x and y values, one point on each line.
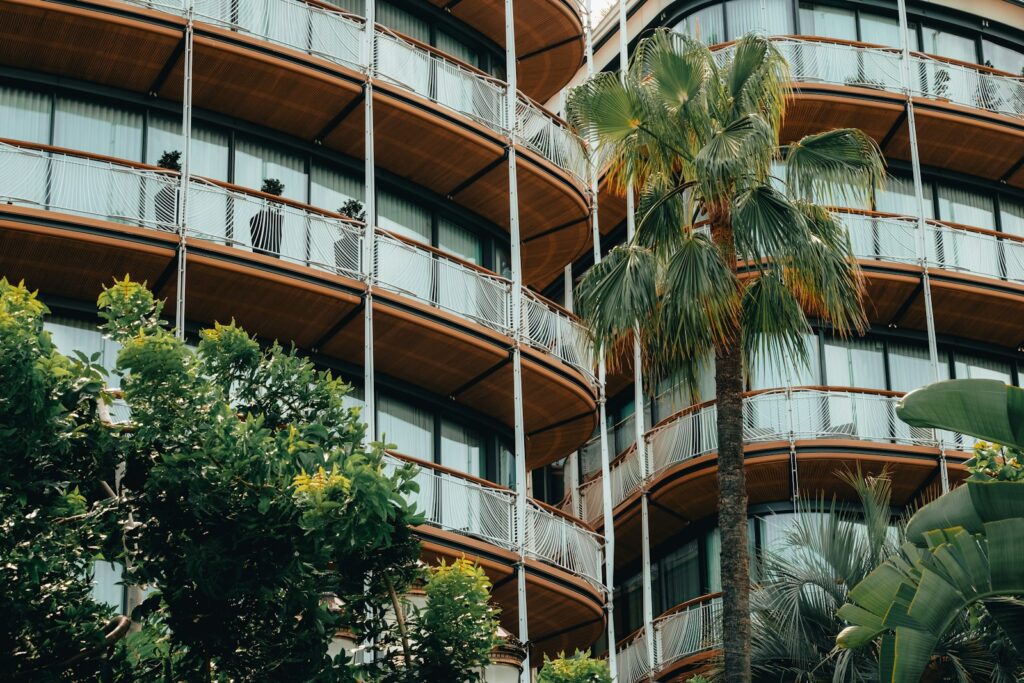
241	494
579	668
53	456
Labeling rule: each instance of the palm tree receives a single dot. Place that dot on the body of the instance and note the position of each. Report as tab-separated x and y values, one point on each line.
807	577
727	259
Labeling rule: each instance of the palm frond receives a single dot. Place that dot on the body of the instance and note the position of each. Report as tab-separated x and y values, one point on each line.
742	148
773	323
757	80
765	223
619	293
842	166
823	273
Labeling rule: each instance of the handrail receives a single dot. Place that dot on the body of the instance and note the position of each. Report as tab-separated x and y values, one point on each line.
834	62
255	222
794	414
329	33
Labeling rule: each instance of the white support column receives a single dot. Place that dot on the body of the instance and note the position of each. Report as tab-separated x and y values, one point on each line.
511	99
185	175
606	490
922	225
369	269
648	595
638	377
571	472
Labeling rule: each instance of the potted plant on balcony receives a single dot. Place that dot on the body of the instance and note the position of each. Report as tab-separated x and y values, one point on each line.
165	203
266	226
346	247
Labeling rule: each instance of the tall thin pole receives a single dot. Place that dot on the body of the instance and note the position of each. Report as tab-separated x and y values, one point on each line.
571	471
638	378
184	177
922	225
511	100
602	373
370	205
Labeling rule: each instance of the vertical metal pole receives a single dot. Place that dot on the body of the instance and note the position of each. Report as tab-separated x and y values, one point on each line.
602	372
185	175
922	235
638	376
370	205
511	99
571	473
648	595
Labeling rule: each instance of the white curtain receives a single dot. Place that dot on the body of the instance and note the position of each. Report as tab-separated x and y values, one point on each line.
25	115
408	427
98	128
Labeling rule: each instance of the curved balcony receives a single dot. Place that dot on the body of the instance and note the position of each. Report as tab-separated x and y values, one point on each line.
549	37
682	636
564	556
299	68
814	422
72	221
970	118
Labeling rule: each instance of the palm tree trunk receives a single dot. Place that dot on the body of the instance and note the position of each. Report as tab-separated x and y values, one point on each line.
732	496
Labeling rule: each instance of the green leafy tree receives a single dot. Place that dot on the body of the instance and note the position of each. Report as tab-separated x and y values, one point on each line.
580	668
962	557
248	496
727	260
455	632
805	580
54	456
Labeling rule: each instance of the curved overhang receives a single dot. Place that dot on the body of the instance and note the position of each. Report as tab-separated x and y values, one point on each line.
564	611
549	38
422	338
688	491
238	74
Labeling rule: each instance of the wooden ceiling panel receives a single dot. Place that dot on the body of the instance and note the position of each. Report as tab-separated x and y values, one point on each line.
888	292
275	305
814	112
283	95
76	265
71	41
549	38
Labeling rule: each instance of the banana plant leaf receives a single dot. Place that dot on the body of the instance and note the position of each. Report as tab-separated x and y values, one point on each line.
983	408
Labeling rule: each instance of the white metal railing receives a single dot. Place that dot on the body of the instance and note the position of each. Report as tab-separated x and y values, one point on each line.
558	541
697	628
471	508
776	415
444	283
895	238
259	224
546	327
336	36
814	61
631	660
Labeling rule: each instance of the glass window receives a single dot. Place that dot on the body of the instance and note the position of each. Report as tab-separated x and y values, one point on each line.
462	448
70	335
706	25
771	17
408	427
771	373
331	188
256	162
402	21
828	21
681	572
946	44
106	585
883	30
403	217
854	363
25	115
1003	58
457	240
713	560
457	48
960	205
98	128
898	197
1012	215
503	470
910	367
209	146
976	367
